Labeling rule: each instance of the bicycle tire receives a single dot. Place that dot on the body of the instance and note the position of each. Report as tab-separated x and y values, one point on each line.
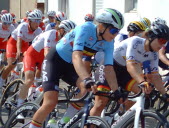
166	114
98	122
10	91
27	109
148	115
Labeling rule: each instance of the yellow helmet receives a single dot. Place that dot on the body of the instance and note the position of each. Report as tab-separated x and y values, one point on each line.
146	22
136	26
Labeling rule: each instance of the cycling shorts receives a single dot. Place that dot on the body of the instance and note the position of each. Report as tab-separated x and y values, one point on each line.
55	68
11	48
2	44
33	59
124	79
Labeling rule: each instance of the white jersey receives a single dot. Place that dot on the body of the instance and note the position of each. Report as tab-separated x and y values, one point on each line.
23	32
120	37
47	39
4	34
48	27
132	50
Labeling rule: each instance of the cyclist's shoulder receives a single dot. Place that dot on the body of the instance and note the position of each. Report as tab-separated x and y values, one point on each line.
86	26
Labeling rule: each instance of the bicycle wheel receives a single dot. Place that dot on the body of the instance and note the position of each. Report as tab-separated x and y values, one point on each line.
26	112
8	101
95	121
166	114
149	119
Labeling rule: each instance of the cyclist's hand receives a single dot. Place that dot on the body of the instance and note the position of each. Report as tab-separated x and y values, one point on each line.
89	83
146	87
119	96
19	56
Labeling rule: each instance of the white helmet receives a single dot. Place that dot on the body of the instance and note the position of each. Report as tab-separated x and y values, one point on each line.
34	15
37	10
60	16
67	25
110	16
27	13
7	18
158	20
51	13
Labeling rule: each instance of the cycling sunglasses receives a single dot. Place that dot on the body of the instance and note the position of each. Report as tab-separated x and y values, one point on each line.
162	41
114	31
5	23
36	20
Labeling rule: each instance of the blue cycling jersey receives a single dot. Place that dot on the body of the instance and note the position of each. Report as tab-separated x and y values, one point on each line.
84	38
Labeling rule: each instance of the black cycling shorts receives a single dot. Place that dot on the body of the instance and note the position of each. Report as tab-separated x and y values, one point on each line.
122	75
55	68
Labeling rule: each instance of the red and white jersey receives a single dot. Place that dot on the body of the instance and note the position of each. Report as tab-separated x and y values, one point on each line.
23	32
23	20
47	39
4	34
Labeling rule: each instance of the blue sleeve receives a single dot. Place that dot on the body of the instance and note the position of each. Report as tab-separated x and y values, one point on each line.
109	48
81	34
52	25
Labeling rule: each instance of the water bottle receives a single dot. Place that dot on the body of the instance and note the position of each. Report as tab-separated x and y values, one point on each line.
38	95
51	123
31	93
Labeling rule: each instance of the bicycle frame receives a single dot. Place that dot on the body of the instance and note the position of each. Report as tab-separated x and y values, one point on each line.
137	108
82	114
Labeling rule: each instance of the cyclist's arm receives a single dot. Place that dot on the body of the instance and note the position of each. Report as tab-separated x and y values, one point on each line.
111	77
19	44
135	71
46	50
163	57
79	65
156	80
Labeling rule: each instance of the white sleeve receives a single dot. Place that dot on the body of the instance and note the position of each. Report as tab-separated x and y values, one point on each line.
48	27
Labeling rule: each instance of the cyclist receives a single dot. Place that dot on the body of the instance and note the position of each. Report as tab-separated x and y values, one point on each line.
26	14
158	20
15	24
19	41
41	25
134	28
146	22
163	59
129	56
35	54
86	39
51	18
6	29
89	17
3	12
60	16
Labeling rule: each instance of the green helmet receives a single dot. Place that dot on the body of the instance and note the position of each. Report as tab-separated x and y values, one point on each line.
110	16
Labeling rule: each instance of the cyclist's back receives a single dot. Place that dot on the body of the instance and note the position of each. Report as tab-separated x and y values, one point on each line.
88	39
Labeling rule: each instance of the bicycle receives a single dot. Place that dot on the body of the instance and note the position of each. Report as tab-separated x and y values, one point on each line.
10	96
136	116
31	106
